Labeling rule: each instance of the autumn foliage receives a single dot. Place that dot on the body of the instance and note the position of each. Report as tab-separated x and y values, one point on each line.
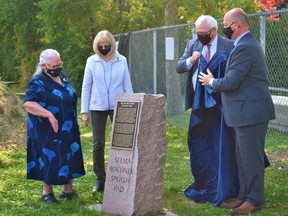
271	5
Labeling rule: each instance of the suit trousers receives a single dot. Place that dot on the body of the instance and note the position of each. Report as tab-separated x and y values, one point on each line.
99	120
250	143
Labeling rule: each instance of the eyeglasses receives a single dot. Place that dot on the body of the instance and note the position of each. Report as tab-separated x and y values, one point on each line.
55	66
203	33
229	25
104	46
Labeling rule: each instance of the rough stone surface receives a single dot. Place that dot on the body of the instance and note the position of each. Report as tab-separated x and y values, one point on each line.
135	181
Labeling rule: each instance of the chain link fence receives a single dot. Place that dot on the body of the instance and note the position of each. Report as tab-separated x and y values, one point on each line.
152	55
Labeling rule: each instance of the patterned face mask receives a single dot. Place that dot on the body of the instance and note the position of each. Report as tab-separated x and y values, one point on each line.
54	72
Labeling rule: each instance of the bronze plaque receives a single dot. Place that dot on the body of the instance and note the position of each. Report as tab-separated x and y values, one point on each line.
125	124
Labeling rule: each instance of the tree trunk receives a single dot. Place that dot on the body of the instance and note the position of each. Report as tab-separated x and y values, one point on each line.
174	104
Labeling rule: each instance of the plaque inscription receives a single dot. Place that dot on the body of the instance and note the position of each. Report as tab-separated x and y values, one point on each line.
126	119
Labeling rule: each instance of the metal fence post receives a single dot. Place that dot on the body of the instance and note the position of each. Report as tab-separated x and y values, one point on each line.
262	32
150	74
130	53
155	62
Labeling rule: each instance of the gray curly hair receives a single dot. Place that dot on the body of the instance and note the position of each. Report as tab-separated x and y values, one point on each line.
44	58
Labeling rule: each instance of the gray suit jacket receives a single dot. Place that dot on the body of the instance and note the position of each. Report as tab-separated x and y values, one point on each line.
245	95
195	45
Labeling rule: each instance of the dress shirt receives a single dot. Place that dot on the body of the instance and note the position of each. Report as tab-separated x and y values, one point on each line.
213	49
235	44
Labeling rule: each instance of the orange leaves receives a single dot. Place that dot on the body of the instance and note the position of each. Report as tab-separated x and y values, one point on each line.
271	5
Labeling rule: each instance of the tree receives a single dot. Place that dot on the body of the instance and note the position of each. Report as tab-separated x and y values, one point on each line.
18	39
75	24
172	78
27	41
30	26
190	10
69	27
270	5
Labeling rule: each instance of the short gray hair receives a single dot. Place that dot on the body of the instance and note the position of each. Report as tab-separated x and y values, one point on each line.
44	58
207	20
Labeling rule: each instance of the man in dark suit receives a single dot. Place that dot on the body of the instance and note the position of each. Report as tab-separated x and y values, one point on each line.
206	31
211	142
248	107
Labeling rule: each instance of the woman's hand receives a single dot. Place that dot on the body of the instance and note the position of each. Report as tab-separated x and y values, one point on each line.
54	123
36	109
85	119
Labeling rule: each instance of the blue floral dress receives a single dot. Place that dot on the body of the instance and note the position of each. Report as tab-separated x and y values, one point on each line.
54	158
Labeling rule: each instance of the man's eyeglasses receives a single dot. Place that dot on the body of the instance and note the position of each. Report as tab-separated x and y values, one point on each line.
203	33
55	66
229	26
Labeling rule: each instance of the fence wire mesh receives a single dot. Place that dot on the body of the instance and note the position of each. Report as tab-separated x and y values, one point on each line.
152	63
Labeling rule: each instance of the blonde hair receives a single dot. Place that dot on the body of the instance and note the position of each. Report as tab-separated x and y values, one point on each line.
44	58
104	37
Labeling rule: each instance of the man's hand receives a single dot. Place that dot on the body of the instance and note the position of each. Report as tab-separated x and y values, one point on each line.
205	78
195	56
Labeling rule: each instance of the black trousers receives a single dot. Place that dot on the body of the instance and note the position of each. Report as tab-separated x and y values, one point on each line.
99	120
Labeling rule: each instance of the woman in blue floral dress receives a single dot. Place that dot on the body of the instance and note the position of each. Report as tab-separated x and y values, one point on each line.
54	153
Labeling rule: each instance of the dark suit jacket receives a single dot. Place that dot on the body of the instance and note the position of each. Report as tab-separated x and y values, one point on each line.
195	45
245	95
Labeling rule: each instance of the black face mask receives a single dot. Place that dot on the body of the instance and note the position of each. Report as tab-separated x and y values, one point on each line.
204	39
104	51
54	72
228	32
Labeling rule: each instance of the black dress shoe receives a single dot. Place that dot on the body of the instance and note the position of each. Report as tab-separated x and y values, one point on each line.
71	195
50	198
99	187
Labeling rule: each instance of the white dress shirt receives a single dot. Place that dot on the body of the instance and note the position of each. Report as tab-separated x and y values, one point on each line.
213	49
235	44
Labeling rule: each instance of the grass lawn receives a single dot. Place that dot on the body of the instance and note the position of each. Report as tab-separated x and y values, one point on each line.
19	196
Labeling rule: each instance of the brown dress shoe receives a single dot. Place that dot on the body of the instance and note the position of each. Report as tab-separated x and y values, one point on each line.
245	208
232	204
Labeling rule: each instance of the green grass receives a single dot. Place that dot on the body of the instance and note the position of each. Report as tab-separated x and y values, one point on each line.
19	196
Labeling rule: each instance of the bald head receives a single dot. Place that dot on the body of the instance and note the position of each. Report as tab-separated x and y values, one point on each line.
237	14
237	20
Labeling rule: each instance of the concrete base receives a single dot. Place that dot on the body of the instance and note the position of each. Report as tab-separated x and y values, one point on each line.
98	208
281	109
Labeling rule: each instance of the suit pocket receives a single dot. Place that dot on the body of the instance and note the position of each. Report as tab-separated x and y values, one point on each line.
236	109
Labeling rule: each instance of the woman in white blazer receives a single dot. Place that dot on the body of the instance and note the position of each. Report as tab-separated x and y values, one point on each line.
106	74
